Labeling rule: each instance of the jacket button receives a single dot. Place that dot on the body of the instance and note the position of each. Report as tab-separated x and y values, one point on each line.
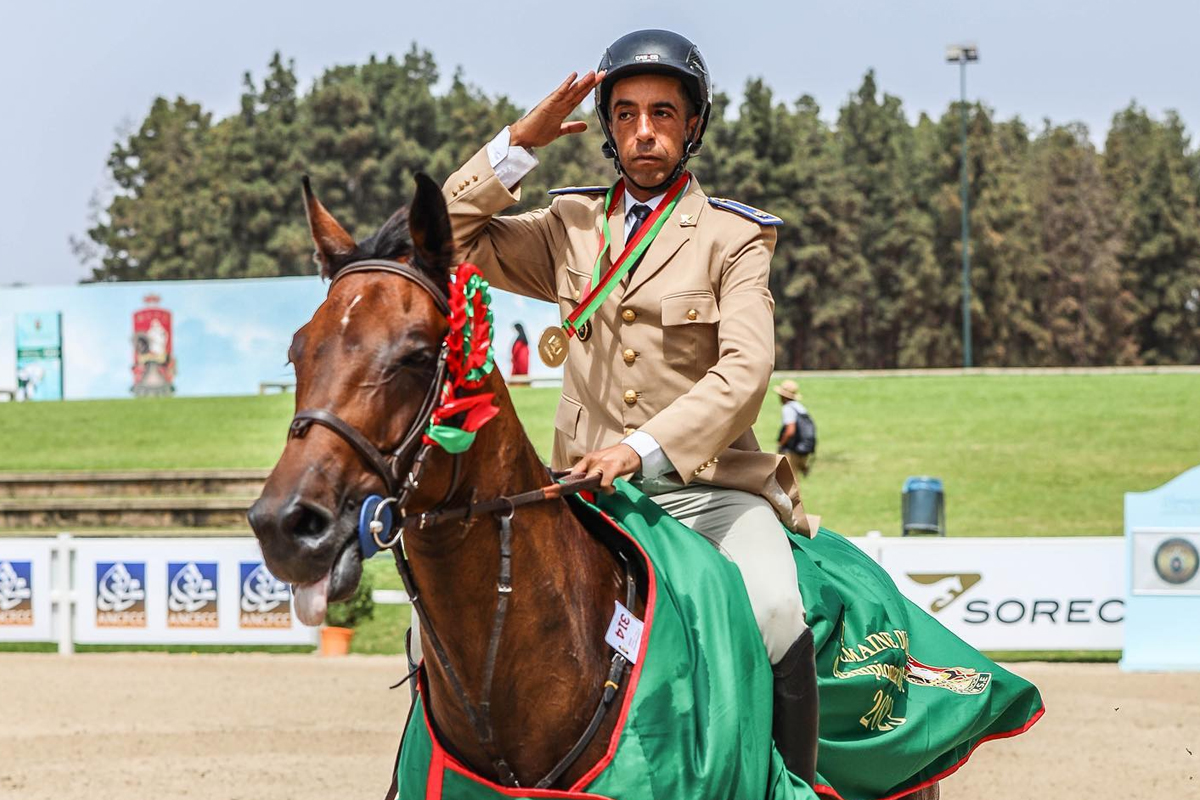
692	314
629	315
630	397
629	355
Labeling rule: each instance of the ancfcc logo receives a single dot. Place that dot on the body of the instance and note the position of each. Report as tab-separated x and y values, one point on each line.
192	595
265	601
121	594
16	593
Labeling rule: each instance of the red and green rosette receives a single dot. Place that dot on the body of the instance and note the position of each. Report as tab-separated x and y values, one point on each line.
470	358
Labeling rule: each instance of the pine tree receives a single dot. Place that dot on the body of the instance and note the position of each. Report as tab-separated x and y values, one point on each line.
1149	166
877	150
165	221
261	164
1002	243
1086	312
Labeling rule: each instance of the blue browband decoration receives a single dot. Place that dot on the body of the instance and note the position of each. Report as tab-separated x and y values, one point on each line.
365	540
579	190
749	212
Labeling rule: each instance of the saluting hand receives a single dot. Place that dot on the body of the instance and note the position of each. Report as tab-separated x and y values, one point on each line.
614	462
545	122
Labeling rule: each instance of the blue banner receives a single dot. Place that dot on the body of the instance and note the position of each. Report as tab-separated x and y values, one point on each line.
39	356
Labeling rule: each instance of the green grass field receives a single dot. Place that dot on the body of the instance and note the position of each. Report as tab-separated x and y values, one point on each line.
1019	455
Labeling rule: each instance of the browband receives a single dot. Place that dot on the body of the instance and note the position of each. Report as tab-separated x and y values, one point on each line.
404	269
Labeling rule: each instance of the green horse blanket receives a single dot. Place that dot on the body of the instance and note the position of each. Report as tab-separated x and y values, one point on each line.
904	702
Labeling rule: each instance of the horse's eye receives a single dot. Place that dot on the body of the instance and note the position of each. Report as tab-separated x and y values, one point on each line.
418	359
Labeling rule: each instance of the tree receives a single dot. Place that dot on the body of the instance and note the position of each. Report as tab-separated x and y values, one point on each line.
1086	311
877	149
260	165
1152	173
1002	242
784	161
165	220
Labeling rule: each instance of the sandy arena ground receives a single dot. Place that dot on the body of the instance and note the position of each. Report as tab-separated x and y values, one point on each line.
260	727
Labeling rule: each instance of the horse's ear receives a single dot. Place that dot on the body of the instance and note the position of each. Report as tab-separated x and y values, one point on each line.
429	226
332	241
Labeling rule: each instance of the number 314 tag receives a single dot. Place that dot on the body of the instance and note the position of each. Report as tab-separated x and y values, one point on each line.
625	633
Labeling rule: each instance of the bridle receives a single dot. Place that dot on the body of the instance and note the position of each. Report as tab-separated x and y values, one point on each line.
385	465
379	529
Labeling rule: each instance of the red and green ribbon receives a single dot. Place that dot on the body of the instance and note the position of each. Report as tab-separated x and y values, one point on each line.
603	285
470	358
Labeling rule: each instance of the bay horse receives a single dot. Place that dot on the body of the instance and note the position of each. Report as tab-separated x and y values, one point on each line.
369	356
367	364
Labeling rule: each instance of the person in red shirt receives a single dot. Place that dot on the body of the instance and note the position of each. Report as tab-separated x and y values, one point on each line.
520	352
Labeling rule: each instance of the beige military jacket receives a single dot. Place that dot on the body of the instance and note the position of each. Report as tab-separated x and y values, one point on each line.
683	350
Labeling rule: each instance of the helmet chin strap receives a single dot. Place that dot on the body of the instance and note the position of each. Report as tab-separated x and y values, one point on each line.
657	188
660	187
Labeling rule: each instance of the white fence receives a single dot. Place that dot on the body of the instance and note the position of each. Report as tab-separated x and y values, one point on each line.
997	594
143	591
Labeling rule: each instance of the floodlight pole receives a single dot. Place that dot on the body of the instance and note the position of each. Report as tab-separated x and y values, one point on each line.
962	55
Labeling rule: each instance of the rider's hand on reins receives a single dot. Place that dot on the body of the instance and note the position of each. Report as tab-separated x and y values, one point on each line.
618	461
546	122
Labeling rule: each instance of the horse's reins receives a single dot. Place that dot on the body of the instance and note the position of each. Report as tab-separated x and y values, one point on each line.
387	532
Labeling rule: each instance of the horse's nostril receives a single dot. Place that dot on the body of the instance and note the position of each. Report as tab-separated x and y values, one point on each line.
306	519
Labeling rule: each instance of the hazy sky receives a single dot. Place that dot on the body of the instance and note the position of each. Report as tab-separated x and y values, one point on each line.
71	74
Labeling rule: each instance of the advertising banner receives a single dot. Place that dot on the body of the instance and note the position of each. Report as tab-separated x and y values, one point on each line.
153	359
181	591
39	356
25	590
1017	594
191	338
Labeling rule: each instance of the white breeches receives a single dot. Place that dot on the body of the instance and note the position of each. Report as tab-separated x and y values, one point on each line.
745	529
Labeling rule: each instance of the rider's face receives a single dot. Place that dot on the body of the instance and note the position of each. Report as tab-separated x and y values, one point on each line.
651	119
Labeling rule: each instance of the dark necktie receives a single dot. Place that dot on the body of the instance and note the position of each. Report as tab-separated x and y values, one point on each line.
640	211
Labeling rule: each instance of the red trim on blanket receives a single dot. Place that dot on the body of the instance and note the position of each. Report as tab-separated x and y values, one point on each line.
651	595
829	791
443	760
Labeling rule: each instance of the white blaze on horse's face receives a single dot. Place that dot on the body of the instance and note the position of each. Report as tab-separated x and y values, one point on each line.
349	308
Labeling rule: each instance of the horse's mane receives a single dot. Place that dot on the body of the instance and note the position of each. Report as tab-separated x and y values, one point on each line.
391	241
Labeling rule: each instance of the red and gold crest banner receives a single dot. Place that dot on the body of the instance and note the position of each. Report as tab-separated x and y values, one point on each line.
153	357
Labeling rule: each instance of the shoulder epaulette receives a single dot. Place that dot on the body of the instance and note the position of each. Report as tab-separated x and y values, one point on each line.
749	212
579	190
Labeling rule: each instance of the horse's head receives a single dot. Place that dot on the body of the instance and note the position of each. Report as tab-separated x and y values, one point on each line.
367	358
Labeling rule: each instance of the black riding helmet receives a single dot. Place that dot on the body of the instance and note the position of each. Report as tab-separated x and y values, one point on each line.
665	53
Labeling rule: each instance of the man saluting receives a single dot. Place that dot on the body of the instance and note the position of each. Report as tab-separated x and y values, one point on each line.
667	334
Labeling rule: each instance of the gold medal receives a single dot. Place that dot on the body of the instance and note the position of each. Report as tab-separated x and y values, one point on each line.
552	346
585	331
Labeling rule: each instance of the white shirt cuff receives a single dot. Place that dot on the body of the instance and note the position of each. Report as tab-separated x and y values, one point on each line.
510	164
655	463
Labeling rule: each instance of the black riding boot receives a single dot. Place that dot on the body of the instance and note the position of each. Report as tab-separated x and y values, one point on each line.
794	719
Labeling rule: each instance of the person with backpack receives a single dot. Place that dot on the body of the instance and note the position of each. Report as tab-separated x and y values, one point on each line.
798	434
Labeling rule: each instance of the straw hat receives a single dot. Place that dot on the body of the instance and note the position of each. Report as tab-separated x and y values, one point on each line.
789	389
